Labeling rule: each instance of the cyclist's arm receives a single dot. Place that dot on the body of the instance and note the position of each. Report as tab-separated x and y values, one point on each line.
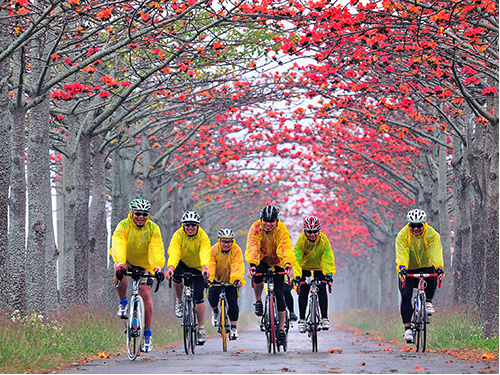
327	259
284	245
156	250
402	249
237	265
298	252
254	238
205	248
435	247
212	264
119	244
174	250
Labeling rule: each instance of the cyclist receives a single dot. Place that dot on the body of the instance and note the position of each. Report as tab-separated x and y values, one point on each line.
189	251
226	266
314	256
418	249
137	242
269	246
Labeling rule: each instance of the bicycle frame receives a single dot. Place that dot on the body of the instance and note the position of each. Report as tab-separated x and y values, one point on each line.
313	314
189	319
270	322
135	321
223	324
419	316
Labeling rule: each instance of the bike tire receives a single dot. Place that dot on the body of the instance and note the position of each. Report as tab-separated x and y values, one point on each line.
287	327
272	326
223	323
267	325
186	325
314	324
416	324
423	329
135	328
194	328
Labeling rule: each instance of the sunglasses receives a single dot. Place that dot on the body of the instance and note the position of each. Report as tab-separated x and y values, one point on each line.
269	220
226	241
190	225
312	231
141	214
416	225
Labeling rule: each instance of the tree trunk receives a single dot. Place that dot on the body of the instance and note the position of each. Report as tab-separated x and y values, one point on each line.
98	251
5	120
490	228
82	219
17	210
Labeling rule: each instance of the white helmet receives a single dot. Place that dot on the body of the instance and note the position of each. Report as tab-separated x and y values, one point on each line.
140	204
225	233
416	216
191	217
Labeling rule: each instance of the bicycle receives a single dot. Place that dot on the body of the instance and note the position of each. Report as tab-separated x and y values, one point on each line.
189	317
223	324
420	319
270	322
313	315
135	320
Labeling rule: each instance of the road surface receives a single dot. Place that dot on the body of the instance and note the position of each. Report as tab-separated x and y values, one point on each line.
339	352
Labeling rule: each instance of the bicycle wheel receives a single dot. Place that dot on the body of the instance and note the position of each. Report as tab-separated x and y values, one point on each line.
271	345
187	324
194	327
314	324
423	328
223	323
135	327
416	324
287	327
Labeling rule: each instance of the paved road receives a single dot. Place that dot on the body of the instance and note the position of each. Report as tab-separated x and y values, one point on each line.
338	352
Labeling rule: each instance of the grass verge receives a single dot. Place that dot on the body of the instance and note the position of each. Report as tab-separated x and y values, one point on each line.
34	344
451	328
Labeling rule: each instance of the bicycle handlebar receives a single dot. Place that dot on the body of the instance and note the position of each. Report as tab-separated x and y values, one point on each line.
423	276
141	276
318	281
270	274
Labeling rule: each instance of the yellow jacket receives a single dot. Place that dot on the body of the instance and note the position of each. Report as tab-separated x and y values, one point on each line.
193	251
317	256
141	247
273	248
226	268
416	252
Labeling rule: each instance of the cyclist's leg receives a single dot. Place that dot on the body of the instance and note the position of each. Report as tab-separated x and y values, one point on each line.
177	279
303	295
122	289
322	295
145	293
430	288
406	296
259	281
287	293
279	281
232	302
199	291
213	296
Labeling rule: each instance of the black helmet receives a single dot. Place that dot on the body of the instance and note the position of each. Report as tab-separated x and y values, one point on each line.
269	212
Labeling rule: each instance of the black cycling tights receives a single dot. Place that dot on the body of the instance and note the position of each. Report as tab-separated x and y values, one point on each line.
304	295
407	292
279	280
232	300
